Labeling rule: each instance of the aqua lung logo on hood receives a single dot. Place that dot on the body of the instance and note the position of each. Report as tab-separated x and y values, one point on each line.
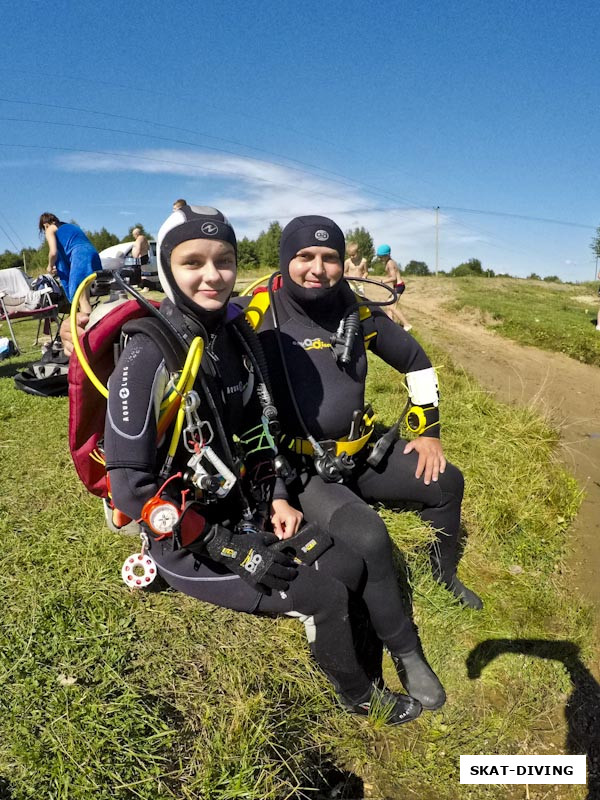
321	235
210	229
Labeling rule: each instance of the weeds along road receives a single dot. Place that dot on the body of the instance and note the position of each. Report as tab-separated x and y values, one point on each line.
565	391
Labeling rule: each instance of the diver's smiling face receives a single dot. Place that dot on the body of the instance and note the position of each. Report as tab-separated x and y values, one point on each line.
205	270
316	267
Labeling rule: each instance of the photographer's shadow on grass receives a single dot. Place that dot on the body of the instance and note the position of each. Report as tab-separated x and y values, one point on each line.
582	710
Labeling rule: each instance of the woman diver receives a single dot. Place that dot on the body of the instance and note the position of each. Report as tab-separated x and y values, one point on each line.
208	525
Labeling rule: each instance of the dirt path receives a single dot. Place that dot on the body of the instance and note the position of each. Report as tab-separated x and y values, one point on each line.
564	390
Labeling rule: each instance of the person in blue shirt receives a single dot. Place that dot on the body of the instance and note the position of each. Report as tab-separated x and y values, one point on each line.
72	253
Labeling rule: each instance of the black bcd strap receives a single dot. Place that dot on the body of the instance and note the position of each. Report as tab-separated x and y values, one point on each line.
172	350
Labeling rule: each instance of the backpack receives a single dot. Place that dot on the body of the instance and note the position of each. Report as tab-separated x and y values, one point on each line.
56	294
7	348
46	377
101	345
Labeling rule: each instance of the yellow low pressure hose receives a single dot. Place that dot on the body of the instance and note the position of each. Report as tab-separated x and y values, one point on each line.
76	343
190	371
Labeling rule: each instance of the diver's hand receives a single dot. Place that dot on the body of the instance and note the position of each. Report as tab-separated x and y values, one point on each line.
251	555
285	519
431	457
65	331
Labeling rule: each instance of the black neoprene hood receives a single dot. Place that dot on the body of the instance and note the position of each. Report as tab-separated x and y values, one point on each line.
309	231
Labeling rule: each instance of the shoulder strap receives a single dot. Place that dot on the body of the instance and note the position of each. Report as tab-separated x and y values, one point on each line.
172	351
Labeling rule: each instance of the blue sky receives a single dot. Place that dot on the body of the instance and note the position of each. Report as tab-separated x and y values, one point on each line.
370	113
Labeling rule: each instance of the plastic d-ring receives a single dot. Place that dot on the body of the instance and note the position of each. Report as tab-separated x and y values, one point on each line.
138	570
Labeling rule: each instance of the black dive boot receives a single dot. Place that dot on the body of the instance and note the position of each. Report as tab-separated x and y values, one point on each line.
466	596
399	708
445	575
419	680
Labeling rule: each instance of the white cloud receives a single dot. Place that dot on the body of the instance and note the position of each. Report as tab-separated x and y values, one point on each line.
254	192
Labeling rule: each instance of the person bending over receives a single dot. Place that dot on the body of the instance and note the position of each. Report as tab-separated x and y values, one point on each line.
72	253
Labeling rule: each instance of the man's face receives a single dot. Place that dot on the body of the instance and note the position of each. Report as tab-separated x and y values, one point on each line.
205	270
135	232
316	267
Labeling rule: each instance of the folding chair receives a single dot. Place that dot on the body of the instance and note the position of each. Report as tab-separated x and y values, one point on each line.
45	314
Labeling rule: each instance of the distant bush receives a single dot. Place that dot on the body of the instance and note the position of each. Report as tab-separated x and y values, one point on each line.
468	269
552	279
416	268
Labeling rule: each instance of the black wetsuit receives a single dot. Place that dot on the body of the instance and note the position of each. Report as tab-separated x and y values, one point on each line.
327	395
321	591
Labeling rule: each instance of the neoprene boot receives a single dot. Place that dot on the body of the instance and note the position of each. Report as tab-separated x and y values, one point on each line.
444	572
419	680
466	596
399	708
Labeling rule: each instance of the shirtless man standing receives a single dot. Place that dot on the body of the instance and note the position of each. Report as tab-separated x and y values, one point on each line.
355	266
392	278
140	246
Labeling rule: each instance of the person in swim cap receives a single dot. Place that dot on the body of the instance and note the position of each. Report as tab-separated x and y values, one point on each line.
233	563
393	278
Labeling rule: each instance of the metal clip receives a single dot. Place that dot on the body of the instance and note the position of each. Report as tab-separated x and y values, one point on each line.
197	433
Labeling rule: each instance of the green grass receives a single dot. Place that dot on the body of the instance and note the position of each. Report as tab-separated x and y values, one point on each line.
552	316
110	694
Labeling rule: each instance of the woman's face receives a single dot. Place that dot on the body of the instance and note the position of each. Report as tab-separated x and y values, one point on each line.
316	267
205	270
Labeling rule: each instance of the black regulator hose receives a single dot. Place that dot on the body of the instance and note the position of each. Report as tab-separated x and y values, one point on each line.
249	341
351	329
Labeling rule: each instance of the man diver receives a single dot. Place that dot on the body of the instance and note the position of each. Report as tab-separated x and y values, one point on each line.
320	398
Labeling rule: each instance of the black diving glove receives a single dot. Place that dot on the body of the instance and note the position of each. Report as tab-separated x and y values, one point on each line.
251	556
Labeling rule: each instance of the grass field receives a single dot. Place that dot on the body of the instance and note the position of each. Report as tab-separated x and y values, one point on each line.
548	315
110	694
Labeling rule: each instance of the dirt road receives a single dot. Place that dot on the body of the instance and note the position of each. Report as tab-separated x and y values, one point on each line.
564	390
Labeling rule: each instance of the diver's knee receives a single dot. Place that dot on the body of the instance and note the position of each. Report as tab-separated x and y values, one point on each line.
363	530
452	481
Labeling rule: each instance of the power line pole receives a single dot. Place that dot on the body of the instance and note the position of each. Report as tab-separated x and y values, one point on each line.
437	239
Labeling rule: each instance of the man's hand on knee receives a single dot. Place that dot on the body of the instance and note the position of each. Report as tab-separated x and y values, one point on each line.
431	458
